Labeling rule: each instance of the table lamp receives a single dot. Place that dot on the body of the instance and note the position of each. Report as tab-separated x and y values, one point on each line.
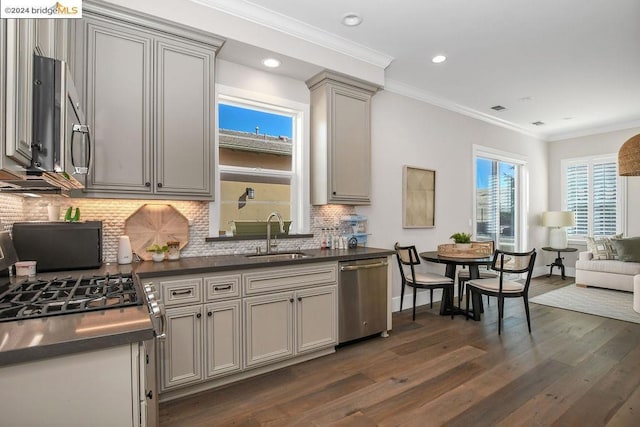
557	221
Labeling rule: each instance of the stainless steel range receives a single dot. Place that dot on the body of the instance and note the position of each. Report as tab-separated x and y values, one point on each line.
41	298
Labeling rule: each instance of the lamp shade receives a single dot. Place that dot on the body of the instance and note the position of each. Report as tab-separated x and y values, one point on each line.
558	219
629	157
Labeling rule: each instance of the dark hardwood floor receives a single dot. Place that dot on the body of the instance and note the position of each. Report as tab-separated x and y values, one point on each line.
573	370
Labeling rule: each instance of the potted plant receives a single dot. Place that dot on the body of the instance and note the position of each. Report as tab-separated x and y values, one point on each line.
461	240
157	252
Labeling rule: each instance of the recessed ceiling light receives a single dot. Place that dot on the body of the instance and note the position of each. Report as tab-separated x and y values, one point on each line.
351	20
438	59
526	99
538	123
271	62
498	108
567	118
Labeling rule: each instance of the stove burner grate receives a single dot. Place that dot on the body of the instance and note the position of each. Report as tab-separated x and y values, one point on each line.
42	298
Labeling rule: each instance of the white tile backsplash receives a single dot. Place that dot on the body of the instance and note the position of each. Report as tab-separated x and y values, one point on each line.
113	213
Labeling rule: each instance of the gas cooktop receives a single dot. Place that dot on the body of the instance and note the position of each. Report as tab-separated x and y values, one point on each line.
41	298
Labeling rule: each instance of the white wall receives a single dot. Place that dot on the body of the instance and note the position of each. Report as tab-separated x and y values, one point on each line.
604	143
258	81
409	132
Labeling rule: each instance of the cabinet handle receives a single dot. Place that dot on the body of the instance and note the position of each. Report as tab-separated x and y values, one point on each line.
291	300
199	315
300	299
150	394
222	288
185	292
334	193
159	185
147	184
209	314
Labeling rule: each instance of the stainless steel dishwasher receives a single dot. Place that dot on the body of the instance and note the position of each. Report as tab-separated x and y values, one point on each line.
362	298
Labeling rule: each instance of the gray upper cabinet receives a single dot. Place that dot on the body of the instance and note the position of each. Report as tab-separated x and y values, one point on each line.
340	139
149	96
184	88
20	39
117	77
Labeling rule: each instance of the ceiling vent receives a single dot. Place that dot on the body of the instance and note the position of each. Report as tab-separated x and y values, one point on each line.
538	123
498	108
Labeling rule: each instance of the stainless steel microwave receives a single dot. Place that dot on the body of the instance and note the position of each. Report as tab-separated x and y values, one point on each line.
61	137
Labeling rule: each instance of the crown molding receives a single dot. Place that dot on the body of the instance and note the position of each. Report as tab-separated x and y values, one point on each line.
612	127
295	28
420	95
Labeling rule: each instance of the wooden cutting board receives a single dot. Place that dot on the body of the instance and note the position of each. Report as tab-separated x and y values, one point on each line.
155	224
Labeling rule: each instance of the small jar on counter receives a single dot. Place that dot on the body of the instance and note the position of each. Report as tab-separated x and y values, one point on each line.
174	250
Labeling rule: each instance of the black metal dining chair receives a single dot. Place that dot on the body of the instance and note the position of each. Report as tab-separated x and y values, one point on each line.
485	273
500	287
407	259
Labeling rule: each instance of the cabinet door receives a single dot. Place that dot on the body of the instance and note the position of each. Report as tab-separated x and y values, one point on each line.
181	352
350	145
316	318
184	112
268	328
21	41
222	338
45	37
118	94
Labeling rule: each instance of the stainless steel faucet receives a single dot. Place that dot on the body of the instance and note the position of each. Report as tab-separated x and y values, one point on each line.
279	218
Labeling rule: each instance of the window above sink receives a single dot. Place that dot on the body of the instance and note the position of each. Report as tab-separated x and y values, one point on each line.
260	148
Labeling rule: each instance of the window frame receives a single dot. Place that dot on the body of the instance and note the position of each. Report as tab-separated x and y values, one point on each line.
300	205
522	189
621	192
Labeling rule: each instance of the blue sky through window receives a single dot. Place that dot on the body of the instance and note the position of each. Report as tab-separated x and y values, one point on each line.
245	120
484	170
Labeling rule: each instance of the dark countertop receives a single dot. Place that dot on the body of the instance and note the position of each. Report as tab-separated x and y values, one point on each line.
33	339
210	264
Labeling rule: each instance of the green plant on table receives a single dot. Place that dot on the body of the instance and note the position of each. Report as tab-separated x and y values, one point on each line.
461	237
158	249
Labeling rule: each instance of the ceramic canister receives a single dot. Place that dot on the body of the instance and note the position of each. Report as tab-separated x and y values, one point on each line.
125	254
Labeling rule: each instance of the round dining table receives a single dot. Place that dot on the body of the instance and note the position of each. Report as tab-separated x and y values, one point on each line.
451	263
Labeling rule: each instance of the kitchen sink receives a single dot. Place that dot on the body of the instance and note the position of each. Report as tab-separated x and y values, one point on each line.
282	256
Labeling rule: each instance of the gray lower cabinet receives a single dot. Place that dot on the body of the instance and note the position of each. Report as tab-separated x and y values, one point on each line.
150	105
269	328
181	352
223	338
340	140
203	328
229	323
286	324
289	311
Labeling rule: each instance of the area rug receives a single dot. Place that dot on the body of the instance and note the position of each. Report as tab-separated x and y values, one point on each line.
600	302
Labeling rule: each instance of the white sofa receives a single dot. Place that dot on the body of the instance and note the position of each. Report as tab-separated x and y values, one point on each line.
606	273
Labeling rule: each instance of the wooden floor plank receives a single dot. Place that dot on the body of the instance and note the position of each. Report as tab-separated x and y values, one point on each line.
552	402
574	369
605	398
383	390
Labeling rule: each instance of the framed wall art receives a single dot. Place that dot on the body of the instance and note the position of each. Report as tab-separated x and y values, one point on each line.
418	197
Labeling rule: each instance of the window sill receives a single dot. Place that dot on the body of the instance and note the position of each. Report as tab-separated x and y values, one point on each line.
255	237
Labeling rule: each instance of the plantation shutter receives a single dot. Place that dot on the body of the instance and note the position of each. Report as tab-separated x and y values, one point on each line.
605	195
578	198
592	194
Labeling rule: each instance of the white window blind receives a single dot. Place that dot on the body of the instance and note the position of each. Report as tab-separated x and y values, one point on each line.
592	192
